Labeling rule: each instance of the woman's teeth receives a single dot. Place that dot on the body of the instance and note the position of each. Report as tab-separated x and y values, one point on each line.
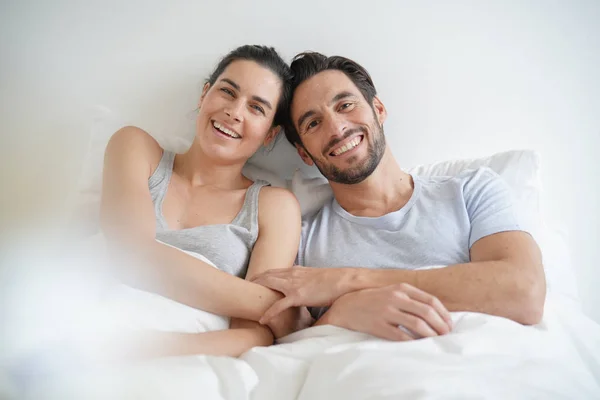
347	146
225	130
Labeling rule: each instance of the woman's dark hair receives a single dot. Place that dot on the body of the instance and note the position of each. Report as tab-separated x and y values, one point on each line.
268	58
305	65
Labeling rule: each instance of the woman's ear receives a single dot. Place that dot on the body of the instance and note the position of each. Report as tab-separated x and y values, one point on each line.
271	135
204	91
304	155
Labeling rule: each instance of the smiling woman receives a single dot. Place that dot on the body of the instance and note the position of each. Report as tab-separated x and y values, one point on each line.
158	207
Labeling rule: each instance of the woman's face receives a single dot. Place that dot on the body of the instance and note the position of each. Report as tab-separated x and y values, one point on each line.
236	113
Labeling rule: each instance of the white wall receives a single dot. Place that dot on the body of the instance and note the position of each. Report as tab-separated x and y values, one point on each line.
459	80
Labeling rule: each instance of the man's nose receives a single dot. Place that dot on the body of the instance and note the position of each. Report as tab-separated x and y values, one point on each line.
337	125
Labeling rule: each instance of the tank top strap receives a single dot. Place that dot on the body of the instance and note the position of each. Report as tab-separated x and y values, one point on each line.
248	215
158	184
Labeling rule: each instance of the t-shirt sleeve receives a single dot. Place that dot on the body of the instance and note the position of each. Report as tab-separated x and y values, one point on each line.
490	205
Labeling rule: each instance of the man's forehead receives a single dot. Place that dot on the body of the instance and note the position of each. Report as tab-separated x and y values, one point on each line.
321	88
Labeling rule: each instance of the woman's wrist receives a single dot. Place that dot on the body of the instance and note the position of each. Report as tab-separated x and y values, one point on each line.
263	299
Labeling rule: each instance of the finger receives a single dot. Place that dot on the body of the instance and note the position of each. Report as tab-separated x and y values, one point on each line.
431	301
278	307
391	332
423	314
273	282
415	324
271	272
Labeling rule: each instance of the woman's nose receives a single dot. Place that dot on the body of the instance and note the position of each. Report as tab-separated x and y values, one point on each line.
234	111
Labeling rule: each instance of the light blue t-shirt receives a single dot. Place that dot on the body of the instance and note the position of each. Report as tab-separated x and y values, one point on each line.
437	226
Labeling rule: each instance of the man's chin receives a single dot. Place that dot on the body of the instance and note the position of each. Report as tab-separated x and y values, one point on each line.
347	177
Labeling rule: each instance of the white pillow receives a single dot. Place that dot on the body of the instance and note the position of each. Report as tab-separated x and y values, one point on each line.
520	170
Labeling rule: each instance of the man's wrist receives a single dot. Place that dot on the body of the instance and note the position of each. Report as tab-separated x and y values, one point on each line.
352	280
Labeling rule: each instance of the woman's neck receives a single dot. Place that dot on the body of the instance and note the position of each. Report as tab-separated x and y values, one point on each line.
200	169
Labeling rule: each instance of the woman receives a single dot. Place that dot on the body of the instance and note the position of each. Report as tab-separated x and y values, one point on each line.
200	202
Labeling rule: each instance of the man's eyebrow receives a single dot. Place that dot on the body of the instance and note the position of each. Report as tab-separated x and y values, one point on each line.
340	96
263	101
304	116
232	83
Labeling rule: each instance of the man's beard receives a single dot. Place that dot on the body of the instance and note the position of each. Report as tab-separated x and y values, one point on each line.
357	173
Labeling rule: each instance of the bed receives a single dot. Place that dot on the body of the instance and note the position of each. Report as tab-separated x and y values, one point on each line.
484	357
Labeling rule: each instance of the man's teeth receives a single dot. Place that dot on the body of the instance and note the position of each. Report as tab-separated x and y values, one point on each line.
225	130
347	146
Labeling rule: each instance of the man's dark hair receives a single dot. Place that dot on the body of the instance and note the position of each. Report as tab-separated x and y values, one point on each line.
308	64
268	58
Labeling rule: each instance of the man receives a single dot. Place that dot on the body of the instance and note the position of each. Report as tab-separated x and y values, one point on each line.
367	256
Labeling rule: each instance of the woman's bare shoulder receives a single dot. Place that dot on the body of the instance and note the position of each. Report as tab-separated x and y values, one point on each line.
135	144
276	202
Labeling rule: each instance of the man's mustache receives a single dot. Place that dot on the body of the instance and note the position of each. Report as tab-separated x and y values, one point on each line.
333	142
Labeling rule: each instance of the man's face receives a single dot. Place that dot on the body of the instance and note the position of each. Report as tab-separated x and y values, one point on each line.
340	131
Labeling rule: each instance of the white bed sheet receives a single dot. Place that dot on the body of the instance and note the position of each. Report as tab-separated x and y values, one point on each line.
484	357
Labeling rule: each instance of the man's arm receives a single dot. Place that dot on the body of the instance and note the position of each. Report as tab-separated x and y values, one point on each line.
504	278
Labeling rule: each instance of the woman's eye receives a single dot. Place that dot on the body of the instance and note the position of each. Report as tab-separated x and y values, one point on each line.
227	91
258	108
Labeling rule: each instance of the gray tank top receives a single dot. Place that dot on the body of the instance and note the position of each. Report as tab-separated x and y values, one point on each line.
228	246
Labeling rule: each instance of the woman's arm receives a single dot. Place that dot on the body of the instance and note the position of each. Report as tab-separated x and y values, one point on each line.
128	222
148	344
229	342
279	221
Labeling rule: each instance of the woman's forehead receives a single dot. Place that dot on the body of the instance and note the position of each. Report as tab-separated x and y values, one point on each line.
250	76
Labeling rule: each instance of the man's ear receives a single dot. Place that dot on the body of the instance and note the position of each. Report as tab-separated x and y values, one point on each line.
380	110
204	91
304	155
271	135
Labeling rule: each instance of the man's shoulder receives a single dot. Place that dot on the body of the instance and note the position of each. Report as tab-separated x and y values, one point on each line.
469	177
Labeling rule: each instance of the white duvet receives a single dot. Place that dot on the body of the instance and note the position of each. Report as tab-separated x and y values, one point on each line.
484	357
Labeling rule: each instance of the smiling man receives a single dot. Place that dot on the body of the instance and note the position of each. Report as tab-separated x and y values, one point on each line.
392	249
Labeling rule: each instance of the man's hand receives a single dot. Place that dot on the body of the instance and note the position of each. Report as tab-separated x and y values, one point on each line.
381	311
302	286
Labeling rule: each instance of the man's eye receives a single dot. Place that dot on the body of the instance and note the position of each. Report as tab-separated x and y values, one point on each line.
312	124
345	105
227	91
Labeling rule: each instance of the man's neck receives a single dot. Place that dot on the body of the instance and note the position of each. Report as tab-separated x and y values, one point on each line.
386	190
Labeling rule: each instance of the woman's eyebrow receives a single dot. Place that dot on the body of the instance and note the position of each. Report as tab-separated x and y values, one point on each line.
255	98
232	83
263	101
